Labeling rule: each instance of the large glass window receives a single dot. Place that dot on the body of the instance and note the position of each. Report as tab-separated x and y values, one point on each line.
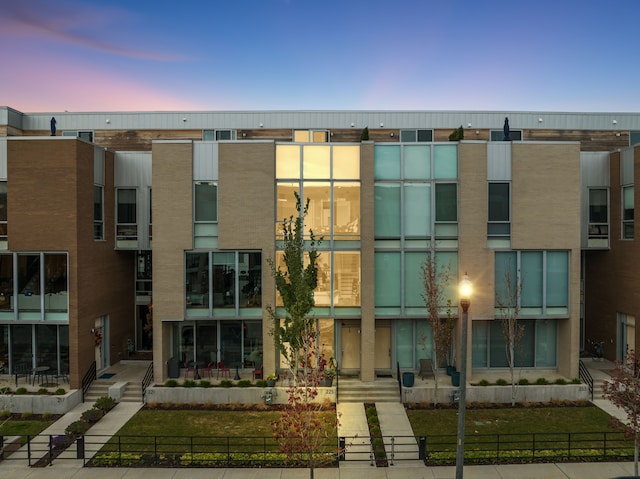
6	282
598	213
197	276
627	212
206	202
387	279
98	212
543	277
387	210
56	284
499	214
127	228
29	282
446	202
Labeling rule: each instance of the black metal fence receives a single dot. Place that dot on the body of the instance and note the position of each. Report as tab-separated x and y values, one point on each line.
265	451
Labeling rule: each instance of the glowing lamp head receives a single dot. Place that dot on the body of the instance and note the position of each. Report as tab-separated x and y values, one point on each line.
465	289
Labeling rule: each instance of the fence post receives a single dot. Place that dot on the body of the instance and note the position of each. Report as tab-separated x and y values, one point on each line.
422	448
342	448
29	449
393	448
1	447
80	447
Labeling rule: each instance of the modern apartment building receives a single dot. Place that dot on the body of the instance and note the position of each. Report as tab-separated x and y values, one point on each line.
85	252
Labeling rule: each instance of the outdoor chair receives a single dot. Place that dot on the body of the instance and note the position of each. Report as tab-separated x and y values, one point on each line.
223	370
257	373
426	368
207	370
189	369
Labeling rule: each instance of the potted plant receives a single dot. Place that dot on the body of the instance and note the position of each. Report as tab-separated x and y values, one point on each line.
329	374
271	380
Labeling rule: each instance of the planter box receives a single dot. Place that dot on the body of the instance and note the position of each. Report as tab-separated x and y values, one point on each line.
217	395
40	404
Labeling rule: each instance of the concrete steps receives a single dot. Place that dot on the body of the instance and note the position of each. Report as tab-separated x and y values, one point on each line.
356	391
100	388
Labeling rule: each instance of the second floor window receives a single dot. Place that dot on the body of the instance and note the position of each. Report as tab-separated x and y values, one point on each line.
98	213
206	202
499	214
127	228
627	212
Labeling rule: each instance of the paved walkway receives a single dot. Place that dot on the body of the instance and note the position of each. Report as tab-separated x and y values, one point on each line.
353	424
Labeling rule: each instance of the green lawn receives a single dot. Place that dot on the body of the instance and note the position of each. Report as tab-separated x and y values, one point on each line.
20	427
511	420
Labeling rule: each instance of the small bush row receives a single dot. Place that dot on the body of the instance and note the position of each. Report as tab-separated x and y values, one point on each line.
225	383
526	382
89	417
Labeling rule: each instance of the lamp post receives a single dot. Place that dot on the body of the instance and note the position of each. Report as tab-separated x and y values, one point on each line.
465	302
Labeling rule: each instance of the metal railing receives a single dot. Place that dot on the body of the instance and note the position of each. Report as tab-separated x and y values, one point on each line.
147	380
88	379
231	451
585	375
399	377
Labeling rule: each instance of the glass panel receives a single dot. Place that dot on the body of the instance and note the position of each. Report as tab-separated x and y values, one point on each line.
252	332
3	201
546	343
346	162
531	279
197	276
286	207
206	343
29	282
21	346
346	286
206	202
326	339
424	341
224	279
346	210
4	348
447	262
222	135
319	216
446	202
316	161
505	271
98	230
6	282
425	135
497	351
417	210
387	210
320	136
417	162
479	343
413	283
499	202
445	161
387	279
598	211
287	161
185	342
386	162
208	135
404	342
231	343
525	351
56	286
46	346
322	294
408	135
63	348
557	279
250	279
301	136
127	206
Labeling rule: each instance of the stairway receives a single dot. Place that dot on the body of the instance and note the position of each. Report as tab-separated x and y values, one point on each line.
356	391
100	388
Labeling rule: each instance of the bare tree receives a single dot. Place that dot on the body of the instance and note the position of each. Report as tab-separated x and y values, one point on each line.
623	390
508	303
435	281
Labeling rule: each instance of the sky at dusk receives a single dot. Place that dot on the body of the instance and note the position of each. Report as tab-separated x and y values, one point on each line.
90	55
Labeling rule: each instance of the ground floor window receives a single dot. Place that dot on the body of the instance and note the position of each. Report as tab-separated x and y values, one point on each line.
234	343
537	348
34	345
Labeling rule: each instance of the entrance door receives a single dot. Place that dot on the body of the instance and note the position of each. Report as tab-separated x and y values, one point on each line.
350	347
627	335
383	348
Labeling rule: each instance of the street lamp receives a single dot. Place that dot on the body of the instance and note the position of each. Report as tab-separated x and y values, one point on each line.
465	301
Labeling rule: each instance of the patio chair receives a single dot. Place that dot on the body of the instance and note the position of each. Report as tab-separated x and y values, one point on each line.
257	373
223	370
207	370
426	368
189	369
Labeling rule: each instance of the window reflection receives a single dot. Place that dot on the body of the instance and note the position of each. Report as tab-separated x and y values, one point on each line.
346	278
29	282
224	279
197	275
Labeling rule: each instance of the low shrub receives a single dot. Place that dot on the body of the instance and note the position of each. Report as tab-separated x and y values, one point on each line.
576	381
171	383
245	383
43	391
205	384
5	414
261	383
46	416
373	421
226	383
60	392
561	381
21	391
541	381
92	415
105	404
523	382
502	382
483	382
60	442
5	390
77	428
189	383
371	411
25	415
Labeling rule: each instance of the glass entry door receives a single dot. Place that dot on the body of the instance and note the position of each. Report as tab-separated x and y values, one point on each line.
350	347
383	348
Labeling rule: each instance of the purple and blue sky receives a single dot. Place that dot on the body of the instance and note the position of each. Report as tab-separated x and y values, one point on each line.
91	55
